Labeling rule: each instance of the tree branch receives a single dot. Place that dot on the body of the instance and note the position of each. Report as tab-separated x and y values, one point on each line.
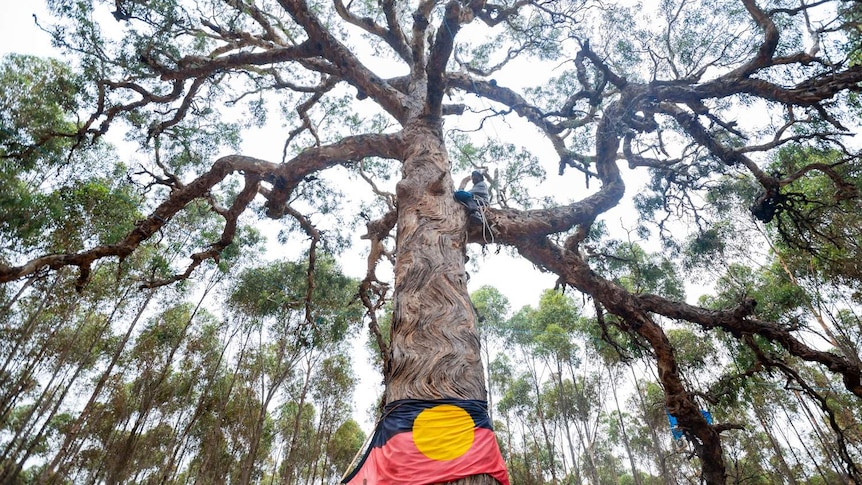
391	34
176	201
231	216
738	322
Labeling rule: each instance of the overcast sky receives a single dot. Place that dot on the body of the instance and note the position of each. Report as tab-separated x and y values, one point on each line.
18	31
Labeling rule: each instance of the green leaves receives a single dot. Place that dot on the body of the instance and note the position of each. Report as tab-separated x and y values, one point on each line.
279	291
629	265
37	100
820	217
346	440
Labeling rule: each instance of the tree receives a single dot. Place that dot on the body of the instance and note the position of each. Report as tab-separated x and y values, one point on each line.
296	333
668	91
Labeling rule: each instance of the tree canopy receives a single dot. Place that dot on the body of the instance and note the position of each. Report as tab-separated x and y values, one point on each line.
733	120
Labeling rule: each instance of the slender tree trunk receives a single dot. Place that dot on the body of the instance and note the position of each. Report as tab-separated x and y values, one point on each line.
576	462
565	414
46	419
487	364
23	435
586	440
9	304
826	444
247	466
49	473
127	450
658	450
170	467
24	439
510	452
26	330
816	312
536	472
24	334
26	381
322	438
801	439
208	470
782	464
797	462
297	420
320	454
537	455
540	413
626	443
67	386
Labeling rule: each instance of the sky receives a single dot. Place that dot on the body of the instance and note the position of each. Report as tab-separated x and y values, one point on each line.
18	31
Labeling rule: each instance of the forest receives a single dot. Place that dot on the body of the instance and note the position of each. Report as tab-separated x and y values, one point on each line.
220	219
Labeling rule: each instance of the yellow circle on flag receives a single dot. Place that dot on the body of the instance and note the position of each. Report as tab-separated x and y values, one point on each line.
443	432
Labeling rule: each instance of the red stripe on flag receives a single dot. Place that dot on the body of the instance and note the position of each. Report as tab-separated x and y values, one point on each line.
399	462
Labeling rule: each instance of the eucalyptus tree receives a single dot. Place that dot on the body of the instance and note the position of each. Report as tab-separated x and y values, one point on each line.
492	308
670	91
547	387
547	334
333	387
651	436
540	340
764	404
341	449
527	454
152	390
37	98
300	321
318	439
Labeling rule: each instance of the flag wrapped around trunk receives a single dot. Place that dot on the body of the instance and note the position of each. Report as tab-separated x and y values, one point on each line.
420	442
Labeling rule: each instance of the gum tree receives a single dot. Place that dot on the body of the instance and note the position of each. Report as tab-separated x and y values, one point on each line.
365	88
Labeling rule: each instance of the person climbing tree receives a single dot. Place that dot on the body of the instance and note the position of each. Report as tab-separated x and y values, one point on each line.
477	197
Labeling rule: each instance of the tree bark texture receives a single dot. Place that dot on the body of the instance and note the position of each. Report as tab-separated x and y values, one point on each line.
434	345
434	350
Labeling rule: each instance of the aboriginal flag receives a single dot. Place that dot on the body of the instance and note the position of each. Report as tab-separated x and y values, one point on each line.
421	442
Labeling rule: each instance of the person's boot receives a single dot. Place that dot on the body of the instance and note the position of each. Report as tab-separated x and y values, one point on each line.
477	216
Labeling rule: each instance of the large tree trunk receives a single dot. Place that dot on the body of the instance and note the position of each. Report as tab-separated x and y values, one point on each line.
435	347
434	344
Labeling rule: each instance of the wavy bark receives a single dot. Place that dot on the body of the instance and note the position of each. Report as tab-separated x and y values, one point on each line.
434	347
